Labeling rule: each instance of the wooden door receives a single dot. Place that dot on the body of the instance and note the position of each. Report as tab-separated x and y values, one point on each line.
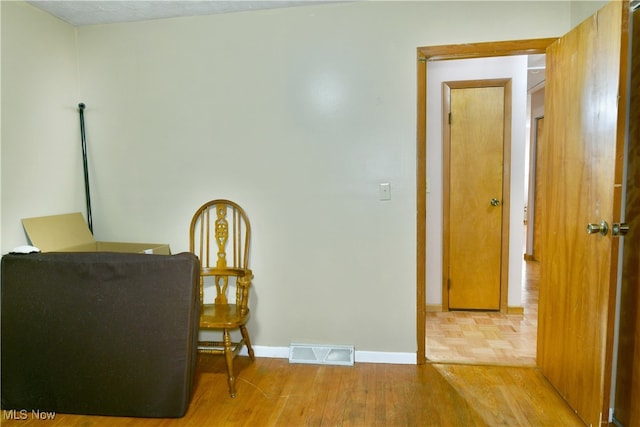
627	398
538	207
474	171
583	161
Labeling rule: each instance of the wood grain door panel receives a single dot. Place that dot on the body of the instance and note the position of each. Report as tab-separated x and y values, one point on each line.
583	160
474	171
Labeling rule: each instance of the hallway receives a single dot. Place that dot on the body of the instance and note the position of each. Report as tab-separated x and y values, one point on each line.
488	337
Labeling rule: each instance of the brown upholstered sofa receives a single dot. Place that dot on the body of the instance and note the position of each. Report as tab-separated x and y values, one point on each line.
99	333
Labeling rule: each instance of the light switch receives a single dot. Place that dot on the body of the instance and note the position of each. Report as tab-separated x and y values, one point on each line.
385	191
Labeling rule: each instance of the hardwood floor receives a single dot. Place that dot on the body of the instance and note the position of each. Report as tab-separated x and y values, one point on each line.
488	337
272	392
466	392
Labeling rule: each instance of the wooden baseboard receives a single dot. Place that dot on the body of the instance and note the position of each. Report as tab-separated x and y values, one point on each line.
433	308
515	310
437	308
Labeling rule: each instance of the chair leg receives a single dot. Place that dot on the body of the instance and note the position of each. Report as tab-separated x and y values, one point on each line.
228	354
247	341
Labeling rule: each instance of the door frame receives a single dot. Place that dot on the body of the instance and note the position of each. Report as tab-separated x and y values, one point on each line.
504	83
440	53
627	351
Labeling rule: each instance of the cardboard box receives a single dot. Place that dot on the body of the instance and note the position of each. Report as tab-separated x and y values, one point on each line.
70	233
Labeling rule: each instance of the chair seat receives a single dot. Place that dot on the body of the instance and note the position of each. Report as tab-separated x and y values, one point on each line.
219	316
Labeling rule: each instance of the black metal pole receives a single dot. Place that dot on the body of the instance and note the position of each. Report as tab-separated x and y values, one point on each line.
87	194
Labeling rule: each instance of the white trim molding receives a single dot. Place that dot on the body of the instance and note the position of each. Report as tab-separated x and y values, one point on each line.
395	358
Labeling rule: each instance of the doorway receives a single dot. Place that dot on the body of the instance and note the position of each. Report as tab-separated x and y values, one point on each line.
441	54
558	360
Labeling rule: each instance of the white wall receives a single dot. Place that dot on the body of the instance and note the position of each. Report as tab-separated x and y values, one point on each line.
515	68
297	114
582	9
41	153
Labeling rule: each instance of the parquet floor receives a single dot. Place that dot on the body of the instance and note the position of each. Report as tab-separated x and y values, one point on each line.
488	337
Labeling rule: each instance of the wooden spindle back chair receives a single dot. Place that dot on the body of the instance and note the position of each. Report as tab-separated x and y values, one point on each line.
220	234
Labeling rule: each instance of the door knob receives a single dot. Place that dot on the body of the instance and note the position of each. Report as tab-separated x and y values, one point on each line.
619	229
495	202
602	228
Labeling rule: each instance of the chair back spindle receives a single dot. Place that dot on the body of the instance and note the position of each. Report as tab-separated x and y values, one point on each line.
220	234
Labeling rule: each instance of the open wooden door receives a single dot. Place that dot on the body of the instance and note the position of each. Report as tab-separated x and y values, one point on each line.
585	116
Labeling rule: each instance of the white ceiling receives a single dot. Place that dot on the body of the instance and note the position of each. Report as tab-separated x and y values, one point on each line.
89	12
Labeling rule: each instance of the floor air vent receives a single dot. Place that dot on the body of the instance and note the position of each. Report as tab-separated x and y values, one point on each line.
321	354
